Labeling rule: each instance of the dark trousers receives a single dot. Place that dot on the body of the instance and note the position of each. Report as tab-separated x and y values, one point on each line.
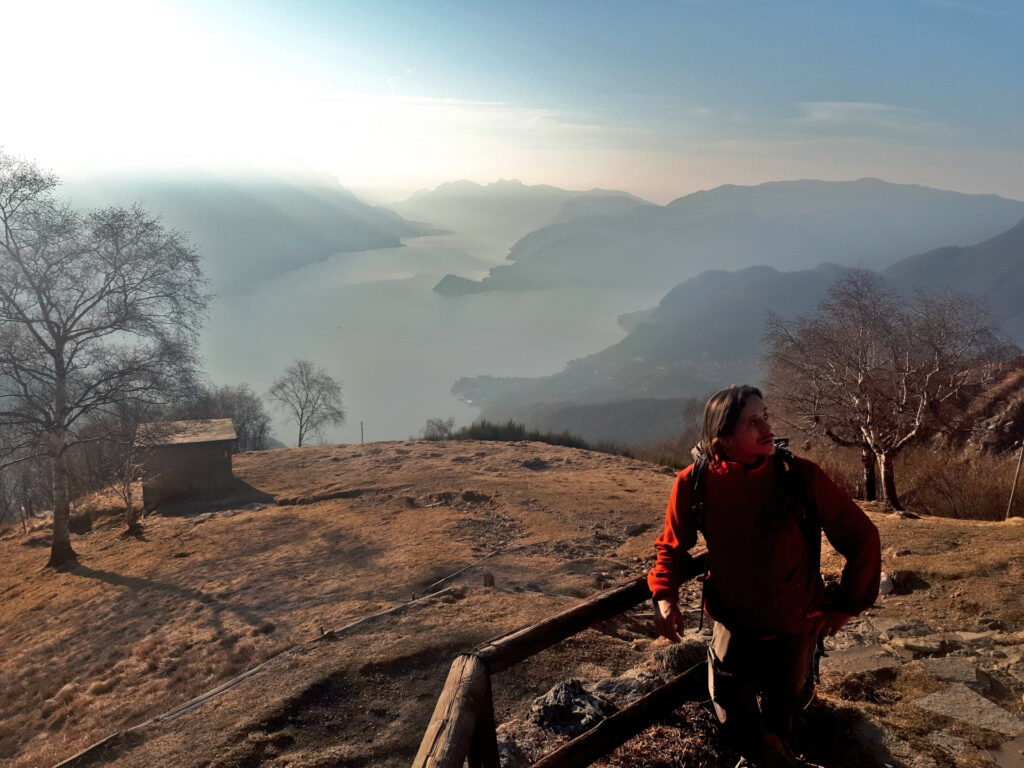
744	670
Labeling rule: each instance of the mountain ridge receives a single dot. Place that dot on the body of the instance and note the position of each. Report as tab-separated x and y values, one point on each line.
706	332
789	224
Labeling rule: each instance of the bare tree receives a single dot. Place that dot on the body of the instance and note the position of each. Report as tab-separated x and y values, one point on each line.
96	309
872	370
309	397
242	406
438	429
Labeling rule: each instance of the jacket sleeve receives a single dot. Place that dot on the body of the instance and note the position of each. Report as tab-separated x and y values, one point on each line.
855	537
676	539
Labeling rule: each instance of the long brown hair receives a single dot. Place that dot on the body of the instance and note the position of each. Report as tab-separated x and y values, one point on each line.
721	414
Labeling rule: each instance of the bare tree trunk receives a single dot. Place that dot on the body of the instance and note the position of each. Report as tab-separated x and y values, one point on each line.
131	516
889	481
61	552
867	457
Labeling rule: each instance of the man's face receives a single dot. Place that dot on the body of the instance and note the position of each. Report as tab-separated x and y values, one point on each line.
753	437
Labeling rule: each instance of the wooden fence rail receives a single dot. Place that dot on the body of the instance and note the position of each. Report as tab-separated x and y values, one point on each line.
462	727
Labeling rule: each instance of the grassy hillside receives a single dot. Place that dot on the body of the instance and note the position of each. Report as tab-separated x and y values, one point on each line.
318	538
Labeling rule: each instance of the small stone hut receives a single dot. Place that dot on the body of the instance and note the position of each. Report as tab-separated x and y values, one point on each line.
185	458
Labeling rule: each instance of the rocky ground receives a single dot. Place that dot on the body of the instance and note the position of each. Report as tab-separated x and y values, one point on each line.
324	602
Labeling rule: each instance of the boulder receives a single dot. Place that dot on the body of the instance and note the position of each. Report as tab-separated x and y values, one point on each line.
637	528
569	709
626	688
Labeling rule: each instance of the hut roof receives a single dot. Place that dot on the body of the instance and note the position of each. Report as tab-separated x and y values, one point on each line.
183	432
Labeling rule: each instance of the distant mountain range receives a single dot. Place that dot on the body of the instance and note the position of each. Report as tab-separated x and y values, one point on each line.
706	333
791	225
254	226
992	270
507	210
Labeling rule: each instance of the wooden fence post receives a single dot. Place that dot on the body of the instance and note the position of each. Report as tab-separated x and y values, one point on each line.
483	748
451	728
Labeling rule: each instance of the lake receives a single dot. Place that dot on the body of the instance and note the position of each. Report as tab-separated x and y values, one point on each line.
373	321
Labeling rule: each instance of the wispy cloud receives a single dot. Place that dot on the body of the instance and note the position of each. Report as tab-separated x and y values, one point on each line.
859	118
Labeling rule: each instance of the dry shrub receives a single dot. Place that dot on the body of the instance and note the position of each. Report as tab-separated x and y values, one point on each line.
842	465
967	487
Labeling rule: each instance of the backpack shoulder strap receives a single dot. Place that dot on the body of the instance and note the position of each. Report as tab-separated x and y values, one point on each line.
698	483
793	495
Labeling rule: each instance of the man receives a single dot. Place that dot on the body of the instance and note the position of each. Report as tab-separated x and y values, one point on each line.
761	516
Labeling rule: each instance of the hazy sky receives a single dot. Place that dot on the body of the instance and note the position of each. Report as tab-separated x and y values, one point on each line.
660	98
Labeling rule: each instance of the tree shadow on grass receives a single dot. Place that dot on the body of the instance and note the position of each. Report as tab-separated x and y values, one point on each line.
137	584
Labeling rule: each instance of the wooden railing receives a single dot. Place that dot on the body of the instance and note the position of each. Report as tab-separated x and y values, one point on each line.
462	726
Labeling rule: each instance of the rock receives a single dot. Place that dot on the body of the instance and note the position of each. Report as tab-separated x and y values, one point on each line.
906	515
899	652
952	669
905	582
929	645
886	587
509	753
1009	755
972	638
637	528
475	497
674	659
859	658
897	627
488	579
569	709
961	703
628	687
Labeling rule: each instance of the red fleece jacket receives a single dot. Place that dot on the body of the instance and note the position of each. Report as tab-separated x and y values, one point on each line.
760	577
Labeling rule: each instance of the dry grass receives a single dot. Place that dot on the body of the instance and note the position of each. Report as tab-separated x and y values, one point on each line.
208	592
930	481
969	486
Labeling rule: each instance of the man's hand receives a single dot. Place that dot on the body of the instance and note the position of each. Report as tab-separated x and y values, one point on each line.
668	620
827	623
